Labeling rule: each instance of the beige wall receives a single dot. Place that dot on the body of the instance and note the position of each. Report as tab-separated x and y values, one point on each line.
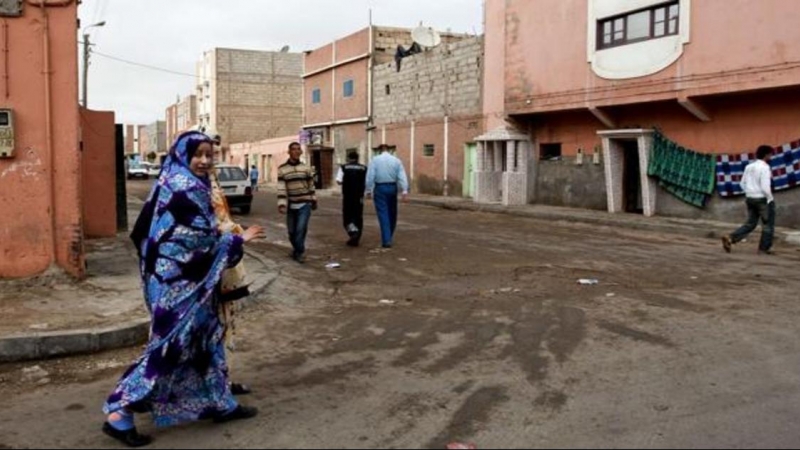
41	196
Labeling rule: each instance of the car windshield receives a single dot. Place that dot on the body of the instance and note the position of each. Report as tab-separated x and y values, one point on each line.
231	174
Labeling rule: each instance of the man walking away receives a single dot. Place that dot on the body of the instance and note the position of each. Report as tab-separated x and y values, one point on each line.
254	178
757	185
353	179
296	198
385	177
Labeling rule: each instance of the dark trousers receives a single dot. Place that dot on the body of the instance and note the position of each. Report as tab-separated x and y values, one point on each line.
353	218
758	209
297	224
386	208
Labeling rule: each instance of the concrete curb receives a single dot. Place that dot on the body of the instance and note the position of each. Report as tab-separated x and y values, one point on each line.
697	228
26	347
44	345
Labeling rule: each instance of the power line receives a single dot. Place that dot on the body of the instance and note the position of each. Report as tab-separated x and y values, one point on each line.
230	79
146	66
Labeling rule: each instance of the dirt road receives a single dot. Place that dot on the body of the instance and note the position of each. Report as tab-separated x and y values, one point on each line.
474	328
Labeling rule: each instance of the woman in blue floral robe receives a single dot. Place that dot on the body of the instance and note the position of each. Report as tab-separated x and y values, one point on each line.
182	375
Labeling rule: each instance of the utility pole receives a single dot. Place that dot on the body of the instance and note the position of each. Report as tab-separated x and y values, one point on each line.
87	49
85	69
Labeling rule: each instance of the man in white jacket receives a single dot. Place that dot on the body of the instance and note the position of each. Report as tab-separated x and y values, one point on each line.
757	185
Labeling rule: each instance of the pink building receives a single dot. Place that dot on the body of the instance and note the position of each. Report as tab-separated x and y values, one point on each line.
266	155
574	88
46	179
181	117
340	95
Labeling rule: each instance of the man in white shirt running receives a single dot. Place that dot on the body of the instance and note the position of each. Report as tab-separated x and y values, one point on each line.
757	185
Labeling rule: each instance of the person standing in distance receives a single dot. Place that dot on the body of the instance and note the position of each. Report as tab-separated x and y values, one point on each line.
386	177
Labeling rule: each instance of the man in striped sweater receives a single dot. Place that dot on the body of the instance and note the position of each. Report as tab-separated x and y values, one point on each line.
296	199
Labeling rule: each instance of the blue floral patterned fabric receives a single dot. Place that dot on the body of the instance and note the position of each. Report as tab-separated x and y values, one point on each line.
182	374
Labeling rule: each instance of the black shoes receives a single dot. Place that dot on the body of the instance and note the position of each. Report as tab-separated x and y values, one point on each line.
240	413
131	437
240	389
727	244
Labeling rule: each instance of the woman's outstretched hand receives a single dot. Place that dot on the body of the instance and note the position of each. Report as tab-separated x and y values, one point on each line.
254	232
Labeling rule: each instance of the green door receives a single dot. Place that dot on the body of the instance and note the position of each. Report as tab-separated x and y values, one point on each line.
470	160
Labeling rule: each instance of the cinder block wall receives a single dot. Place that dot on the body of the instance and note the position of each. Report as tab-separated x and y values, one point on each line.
259	94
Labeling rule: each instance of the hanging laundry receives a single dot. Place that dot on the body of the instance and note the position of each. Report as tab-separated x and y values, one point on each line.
785	164
684	173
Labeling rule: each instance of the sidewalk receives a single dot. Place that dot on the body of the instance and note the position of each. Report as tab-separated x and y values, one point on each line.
686	227
52	315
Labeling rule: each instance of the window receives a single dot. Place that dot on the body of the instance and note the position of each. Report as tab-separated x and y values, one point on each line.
388	89
642	25
428	150
550	152
349	88
231	174
316	96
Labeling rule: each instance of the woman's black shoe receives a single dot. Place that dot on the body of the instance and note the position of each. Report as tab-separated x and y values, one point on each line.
240	389
240	413
131	437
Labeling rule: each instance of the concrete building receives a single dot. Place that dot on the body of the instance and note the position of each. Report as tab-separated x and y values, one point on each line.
130	140
248	96
153	139
580	85
49	148
180	117
339	95
430	109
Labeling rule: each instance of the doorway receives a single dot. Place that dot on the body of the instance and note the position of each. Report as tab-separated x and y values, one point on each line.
626	155
631	177
470	162
322	162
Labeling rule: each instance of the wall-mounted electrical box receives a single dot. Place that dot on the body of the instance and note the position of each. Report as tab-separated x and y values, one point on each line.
10	8
6	133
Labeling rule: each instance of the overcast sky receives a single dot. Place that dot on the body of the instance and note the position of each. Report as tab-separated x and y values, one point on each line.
173	34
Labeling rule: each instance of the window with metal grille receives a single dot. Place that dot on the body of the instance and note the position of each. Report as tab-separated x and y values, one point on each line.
428	150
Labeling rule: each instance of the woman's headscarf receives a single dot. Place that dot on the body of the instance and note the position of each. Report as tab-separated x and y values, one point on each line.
176	167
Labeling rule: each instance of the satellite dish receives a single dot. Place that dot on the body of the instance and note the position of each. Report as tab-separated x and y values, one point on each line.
426	37
285	49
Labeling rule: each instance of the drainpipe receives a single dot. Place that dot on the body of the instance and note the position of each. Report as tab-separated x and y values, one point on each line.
48	107
446	153
370	95
43	5
413	150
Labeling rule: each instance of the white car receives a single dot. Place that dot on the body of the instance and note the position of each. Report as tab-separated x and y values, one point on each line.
153	170
138	170
236	186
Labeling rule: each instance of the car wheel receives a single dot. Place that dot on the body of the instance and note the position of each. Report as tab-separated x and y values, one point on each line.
245	209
